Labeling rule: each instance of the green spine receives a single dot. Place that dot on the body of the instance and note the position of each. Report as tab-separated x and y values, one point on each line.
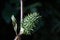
31	23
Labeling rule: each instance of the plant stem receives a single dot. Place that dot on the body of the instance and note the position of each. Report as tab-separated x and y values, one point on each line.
21	20
21	15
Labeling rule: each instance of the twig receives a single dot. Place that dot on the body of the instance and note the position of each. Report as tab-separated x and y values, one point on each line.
21	20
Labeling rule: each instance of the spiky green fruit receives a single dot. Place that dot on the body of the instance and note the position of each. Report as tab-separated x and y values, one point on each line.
31	23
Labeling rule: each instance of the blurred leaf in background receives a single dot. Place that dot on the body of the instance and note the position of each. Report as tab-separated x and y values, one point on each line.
10	9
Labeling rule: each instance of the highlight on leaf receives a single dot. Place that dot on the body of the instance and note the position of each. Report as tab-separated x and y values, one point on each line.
14	23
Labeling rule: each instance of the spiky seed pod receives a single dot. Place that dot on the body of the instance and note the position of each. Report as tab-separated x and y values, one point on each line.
31	23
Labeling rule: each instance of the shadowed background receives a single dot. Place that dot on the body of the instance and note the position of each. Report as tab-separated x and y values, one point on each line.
48	9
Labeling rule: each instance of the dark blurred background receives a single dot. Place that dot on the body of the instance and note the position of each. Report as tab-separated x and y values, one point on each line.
48	9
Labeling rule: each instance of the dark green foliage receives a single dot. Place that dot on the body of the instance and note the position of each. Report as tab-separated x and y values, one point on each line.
48	9
10	8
